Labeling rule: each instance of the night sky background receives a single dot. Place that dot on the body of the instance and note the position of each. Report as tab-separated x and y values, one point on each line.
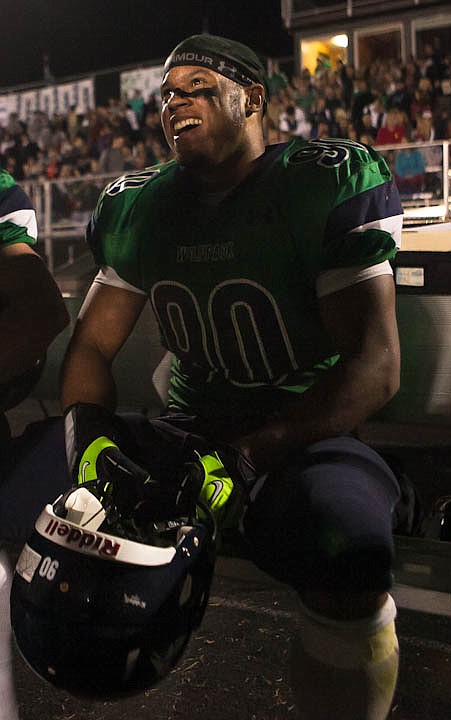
88	35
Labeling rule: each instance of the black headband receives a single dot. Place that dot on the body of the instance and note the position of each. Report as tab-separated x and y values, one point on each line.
232	59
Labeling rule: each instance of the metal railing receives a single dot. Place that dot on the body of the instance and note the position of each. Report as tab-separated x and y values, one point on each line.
425	196
63	208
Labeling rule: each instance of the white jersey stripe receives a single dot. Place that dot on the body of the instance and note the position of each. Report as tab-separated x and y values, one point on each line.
108	276
337	279
25	219
392	225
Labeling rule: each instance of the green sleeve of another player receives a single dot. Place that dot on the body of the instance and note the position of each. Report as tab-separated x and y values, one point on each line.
17	215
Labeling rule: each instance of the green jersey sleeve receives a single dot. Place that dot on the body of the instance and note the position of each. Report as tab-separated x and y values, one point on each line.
17	216
115	231
364	225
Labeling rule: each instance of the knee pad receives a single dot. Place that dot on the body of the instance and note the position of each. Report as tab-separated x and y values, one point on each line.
350	644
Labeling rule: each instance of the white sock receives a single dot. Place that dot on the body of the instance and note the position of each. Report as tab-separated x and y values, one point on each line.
8	705
345	670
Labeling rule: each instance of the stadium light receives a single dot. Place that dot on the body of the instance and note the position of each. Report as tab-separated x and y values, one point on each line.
340	41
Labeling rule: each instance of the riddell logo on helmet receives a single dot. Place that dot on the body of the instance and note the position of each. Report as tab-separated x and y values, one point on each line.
88	541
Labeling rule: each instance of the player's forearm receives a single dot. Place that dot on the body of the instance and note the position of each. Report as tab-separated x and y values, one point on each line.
338	403
87	377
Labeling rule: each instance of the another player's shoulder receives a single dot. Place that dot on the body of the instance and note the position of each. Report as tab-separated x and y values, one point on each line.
17	215
121	195
12	197
6	181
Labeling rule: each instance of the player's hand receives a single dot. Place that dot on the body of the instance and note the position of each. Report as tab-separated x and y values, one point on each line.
113	476
225	478
96	461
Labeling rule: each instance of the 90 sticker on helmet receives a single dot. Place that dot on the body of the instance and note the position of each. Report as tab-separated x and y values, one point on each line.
104	616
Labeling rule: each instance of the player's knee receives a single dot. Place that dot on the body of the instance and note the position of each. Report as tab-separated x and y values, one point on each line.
365	567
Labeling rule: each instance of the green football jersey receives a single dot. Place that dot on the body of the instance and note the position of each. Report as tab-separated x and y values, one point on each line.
234	278
17	216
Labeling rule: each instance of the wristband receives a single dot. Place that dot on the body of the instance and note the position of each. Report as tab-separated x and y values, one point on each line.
83	424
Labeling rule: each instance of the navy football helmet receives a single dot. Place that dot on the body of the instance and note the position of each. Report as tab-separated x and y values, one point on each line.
102	608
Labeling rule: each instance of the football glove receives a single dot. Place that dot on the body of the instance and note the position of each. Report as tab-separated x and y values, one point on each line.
96	461
225	478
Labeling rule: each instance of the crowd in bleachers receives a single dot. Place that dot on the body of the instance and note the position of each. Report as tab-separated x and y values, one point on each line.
385	103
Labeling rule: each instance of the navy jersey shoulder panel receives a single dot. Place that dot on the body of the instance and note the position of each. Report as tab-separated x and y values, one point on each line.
13	199
377	203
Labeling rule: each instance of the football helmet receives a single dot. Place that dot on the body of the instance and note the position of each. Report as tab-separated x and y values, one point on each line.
103	608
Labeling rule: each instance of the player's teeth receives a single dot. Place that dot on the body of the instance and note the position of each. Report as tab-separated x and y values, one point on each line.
184	123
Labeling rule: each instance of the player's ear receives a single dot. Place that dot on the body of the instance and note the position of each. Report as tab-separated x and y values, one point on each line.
255	98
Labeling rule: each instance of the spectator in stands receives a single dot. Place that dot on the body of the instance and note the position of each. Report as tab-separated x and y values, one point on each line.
136	103
377	111
422	99
294	123
34	126
146	151
367	128
367	139
304	92
424	131
34	168
128	158
394	131
361	98
342	121
321	129
346	80
22	151
14	127
409	170
400	97
52	165
132	120
442	110
112	158
433	64
331	101
411	73
72	123
152	105
82	155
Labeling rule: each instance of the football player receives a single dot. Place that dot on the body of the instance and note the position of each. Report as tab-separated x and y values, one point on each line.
268	272
32	313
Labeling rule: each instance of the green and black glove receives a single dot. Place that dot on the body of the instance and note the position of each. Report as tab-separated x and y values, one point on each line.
95	459
225	478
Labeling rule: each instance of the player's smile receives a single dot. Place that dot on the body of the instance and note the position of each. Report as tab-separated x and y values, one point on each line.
184	125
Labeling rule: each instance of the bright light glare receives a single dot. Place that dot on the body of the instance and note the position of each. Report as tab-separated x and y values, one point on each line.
340	41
